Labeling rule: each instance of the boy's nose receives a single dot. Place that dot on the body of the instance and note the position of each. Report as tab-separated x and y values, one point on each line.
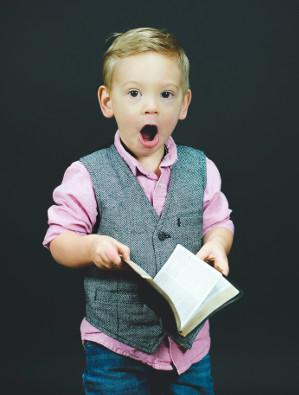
151	107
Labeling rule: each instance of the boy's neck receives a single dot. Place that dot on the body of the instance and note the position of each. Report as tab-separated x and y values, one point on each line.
150	163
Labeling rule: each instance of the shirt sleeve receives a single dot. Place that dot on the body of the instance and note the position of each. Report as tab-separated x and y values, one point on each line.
75	208
216	211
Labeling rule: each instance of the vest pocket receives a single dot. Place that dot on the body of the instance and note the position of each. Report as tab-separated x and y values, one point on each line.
118	287
189	231
138	322
130	320
193	219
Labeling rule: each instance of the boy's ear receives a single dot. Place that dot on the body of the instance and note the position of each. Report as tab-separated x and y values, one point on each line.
105	101
185	105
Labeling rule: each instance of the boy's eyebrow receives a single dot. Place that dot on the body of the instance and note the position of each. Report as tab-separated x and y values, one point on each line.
169	84
165	84
131	83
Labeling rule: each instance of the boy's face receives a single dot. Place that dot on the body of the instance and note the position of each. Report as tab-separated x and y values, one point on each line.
146	100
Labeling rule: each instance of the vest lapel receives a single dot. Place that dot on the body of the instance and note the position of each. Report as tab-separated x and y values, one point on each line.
129	181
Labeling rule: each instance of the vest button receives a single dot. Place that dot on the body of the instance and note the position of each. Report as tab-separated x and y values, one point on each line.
162	236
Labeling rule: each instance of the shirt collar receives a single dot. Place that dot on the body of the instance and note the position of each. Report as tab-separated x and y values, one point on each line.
169	158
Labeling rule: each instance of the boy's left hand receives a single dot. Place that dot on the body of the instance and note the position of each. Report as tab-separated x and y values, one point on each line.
216	245
215	255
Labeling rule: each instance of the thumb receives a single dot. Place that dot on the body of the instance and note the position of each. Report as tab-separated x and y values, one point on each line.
123	250
203	253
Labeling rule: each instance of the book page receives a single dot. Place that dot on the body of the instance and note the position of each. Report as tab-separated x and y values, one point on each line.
142	273
221	285
187	280
221	294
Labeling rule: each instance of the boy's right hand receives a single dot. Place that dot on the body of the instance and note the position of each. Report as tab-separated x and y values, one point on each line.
105	252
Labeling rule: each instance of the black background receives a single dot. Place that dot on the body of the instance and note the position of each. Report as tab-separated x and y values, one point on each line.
243	115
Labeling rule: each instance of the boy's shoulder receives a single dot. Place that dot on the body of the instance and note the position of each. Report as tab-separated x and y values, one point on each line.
192	160
101	152
185	150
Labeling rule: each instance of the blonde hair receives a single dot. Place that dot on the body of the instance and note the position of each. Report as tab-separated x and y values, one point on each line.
139	40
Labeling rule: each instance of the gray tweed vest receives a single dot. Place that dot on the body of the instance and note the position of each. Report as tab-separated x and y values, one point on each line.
119	303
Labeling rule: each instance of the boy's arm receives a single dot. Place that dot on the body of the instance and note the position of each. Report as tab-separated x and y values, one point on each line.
76	251
216	246
218	229
71	221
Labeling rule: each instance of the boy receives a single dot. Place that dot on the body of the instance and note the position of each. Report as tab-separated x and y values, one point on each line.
102	213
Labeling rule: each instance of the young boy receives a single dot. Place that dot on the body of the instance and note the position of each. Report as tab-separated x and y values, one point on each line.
139	199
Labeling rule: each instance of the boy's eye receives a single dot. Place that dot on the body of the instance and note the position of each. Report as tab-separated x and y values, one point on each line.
166	95
134	93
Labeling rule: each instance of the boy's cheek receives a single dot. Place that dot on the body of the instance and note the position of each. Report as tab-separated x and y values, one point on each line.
171	119
169	123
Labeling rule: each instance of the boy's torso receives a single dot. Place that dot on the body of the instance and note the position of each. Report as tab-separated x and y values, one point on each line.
128	216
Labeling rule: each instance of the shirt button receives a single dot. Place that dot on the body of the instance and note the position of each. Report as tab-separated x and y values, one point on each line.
159	184
162	236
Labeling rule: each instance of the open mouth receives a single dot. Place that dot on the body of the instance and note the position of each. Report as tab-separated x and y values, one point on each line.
149	136
149	132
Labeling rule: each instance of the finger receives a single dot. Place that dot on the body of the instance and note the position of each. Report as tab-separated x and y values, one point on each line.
222	267
203	254
225	271
120	254
219	269
208	258
124	251
113	256
200	254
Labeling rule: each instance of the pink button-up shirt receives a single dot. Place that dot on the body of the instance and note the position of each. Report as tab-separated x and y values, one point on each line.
76	211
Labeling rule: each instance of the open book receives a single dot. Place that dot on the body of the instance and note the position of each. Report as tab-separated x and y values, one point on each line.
193	289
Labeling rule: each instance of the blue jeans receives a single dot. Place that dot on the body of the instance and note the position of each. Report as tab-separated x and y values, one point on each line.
109	373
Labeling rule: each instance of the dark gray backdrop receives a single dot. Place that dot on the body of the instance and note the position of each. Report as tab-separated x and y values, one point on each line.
243	115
